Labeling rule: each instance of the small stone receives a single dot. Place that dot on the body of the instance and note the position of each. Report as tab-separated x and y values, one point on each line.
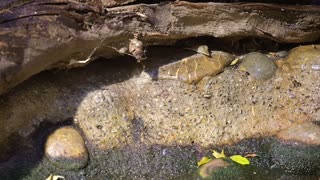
258	66
208	96
208	169
66	149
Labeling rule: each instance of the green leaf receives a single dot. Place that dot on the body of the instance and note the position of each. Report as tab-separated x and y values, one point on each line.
204	160
234	62
216	154
240	159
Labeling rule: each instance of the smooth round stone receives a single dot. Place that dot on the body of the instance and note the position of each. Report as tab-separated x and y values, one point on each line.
259	66
66	149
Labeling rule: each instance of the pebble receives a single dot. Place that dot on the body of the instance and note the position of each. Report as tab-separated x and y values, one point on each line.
258	66
66	149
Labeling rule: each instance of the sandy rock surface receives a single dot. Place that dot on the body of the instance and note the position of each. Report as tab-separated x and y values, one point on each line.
307	133
222	109
116	105
119	104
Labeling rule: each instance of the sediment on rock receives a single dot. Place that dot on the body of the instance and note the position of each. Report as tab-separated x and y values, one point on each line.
117	106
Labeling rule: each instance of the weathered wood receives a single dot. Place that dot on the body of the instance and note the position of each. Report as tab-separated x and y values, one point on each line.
38	35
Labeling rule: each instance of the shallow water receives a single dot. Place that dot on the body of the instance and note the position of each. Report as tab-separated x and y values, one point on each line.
138	127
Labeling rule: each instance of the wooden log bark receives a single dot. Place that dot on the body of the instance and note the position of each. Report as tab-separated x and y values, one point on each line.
38	35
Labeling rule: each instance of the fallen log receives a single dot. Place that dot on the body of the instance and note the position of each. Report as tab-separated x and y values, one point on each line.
40	35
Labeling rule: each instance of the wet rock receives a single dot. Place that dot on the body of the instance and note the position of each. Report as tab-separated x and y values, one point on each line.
307	133
105	103
105	118
193	68
22	110
298	149
66	149
296	158
214	165
304	58
115	110
143	162
259	66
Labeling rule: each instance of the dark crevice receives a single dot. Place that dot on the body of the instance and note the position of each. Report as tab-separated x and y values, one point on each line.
53	3
239	45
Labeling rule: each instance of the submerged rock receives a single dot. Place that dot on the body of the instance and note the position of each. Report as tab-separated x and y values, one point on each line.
296	158
307	133
259	66
115	107
214	165
66	149
298	149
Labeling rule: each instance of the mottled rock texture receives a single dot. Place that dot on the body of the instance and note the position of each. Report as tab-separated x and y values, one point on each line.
118	106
